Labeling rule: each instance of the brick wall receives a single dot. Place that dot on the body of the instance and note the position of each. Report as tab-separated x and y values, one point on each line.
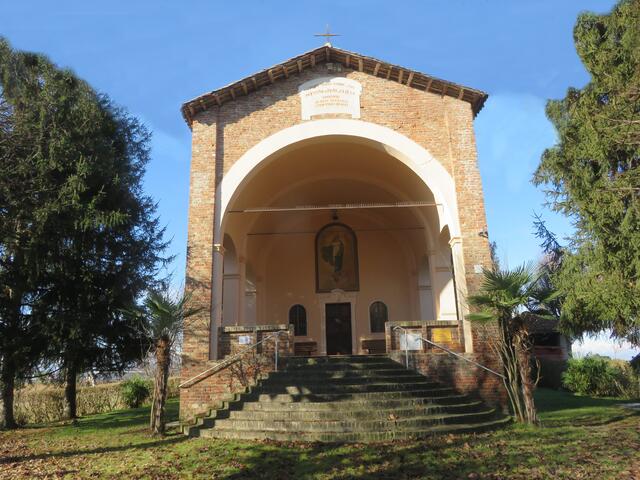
464	377
221	135
235	378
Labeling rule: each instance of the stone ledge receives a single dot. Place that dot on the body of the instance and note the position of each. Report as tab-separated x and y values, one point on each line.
425	323
253	328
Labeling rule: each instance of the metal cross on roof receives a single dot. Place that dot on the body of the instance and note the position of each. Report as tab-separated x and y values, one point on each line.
327	36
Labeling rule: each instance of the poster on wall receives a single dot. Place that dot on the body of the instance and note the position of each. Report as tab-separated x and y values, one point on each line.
336	259
410	341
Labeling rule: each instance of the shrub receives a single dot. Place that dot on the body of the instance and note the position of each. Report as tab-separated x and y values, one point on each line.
41	403
135	391
631	386
595	375
45	403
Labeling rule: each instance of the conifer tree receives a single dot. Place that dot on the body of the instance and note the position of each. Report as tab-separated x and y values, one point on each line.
593	175
93	238
22	190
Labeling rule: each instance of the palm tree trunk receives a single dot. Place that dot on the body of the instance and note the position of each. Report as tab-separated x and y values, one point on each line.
70	390
505	350
512	382
526	378
7	379
163	362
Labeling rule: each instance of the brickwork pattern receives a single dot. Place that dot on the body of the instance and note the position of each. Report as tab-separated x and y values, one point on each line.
221	135
235	378
464	377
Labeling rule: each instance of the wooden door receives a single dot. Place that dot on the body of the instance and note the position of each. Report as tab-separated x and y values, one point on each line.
338	328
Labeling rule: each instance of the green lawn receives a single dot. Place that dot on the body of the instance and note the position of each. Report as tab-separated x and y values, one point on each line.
580	437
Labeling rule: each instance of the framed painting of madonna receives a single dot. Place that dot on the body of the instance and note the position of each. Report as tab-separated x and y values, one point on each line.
336	259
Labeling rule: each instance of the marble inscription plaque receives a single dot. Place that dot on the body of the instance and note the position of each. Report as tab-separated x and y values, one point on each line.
330	95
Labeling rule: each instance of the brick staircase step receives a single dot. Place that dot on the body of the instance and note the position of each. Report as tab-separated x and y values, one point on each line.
330	387
349	404
360	414
343	376
346	398
340	437
362	396
354	425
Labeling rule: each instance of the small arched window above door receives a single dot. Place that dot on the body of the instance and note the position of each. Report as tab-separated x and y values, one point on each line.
378	316
298	318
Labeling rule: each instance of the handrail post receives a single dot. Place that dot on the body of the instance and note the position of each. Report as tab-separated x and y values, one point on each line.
277	338
406	349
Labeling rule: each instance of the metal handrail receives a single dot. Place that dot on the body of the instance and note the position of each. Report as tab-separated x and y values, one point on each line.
228	361
406	351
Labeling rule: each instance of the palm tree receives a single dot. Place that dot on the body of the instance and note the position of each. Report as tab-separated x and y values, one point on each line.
508	296
163	321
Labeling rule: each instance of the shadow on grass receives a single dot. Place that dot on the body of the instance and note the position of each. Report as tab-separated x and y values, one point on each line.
407	459
436	458
103	423
445	457
126	418
549	400
448	457
559	408
161	442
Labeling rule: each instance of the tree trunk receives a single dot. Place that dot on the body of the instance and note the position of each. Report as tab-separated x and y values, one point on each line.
7	379
526	378
70	389
507	353
163	362
512	382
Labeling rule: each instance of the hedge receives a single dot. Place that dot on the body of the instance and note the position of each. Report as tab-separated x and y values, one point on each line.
44	403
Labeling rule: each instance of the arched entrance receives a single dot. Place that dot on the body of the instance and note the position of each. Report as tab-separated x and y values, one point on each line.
397	199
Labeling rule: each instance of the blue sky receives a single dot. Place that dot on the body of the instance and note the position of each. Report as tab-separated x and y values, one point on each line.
151	56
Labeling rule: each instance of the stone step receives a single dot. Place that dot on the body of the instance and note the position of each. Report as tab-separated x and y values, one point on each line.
353	369
352	425
330	387
336	397
346	399
343	376
388	403
359	414
324	359
337	360
408	434
383	364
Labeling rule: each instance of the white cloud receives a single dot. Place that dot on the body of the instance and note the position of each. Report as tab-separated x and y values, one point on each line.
603	344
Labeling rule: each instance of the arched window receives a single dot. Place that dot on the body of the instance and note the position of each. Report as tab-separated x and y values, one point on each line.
378	316
298	318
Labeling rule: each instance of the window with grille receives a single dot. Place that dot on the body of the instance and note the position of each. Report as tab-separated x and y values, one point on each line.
298	318
378	316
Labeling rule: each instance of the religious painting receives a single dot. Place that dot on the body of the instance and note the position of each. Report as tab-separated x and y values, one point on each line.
336	259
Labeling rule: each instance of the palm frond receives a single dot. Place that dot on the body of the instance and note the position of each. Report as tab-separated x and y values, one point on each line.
505	292
481	317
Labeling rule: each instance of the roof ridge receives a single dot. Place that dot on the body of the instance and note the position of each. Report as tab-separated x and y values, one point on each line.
330	54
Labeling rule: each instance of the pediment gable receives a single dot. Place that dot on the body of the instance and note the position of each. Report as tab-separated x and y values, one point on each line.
329	54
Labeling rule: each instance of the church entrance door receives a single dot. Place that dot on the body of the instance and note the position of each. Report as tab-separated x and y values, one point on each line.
338	328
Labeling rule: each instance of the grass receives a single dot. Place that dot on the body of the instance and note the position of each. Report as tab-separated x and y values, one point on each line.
580	437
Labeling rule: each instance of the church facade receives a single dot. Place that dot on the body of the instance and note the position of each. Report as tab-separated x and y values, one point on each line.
335	196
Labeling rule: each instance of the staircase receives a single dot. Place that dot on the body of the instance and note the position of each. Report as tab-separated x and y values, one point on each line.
346	399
